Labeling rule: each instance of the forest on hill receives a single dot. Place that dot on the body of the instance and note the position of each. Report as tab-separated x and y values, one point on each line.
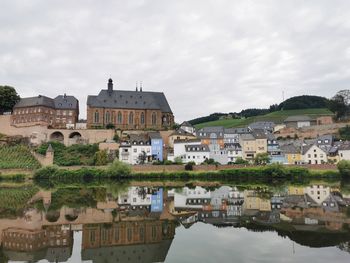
339	105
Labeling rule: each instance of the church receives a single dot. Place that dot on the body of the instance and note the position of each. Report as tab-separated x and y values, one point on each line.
129	110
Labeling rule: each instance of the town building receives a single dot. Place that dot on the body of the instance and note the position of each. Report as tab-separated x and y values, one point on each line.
187	127
267	126
59	112
234	151
179	134
313	154
292	154
344	151
253	143
197	153
156	146
299	121
136	150
129	110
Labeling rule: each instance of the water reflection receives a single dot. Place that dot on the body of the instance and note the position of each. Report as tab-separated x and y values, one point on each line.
138	223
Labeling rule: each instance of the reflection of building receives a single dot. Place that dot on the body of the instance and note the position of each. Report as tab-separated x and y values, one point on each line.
133	239
53	243
318	192
253	201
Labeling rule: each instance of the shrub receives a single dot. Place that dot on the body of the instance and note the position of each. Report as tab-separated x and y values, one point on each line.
189	166
46	172
344	168
110	126
262	158
275	170
167	162
101	158
240	160
118	168
178	160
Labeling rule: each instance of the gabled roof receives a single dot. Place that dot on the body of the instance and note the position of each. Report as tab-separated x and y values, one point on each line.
126	99
35	101
306	148
186	124
298	118
186	141
259	134
154	135
290	149
247	137
181	132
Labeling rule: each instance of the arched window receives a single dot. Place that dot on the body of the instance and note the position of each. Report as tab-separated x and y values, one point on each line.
142	118
131	118
108	117
120	118
97	117
154	118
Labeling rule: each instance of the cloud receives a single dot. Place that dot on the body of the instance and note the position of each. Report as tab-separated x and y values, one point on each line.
206	56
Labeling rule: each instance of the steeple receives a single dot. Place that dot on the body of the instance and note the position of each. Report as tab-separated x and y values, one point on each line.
110	86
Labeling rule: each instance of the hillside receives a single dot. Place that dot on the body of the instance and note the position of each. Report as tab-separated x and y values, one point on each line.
277	117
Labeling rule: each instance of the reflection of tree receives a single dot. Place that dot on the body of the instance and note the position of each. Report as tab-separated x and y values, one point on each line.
142	192
116	189
345	246
3	258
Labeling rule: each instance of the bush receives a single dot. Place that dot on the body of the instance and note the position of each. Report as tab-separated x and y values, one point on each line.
46	172
189	166
167	162
344	168
262	159
275	170
178	160
101	158
240	160
118	168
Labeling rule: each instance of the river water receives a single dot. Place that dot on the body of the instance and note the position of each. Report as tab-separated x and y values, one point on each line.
202	221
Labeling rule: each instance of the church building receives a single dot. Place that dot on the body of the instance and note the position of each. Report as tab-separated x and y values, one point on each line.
129	110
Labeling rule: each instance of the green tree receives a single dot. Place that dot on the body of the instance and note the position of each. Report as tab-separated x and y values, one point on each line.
8	98
338	105
261	158
101	158
344	133
344	168
142	157
118	168
189	166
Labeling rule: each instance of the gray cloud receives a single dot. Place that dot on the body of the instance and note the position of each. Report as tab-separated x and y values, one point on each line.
206	56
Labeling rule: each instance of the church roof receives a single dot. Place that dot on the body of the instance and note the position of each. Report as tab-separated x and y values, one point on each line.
125	99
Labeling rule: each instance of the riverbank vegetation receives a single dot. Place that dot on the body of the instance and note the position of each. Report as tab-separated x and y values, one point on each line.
119	170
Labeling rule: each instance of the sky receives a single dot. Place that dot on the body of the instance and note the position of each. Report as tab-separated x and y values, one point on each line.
206	56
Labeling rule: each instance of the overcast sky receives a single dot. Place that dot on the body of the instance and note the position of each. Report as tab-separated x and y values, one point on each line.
206	55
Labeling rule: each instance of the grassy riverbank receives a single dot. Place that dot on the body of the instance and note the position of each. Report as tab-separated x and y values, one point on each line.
122	171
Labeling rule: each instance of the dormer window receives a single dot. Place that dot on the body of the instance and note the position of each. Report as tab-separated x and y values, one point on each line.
326	141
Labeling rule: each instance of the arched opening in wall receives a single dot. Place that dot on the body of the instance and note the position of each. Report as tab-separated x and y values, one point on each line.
75	135
52	216
57	136
72	215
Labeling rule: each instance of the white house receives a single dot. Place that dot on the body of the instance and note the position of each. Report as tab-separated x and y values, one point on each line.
312	154
344	152
179	148
197	153
136	196
135	152
234	151
187	127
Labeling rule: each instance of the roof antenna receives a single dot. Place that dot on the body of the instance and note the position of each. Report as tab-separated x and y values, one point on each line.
136	87
141	86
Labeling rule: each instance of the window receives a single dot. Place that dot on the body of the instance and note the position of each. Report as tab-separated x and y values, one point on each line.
97	117
129	234
108	117
142	118
154	118
131	118
119	118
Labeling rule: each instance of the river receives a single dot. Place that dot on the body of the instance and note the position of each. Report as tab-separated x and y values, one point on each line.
175	221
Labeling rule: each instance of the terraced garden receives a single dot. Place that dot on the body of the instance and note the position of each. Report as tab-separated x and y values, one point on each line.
17	157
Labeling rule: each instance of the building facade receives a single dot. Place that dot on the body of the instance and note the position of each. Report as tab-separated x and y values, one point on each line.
129	110
59	112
